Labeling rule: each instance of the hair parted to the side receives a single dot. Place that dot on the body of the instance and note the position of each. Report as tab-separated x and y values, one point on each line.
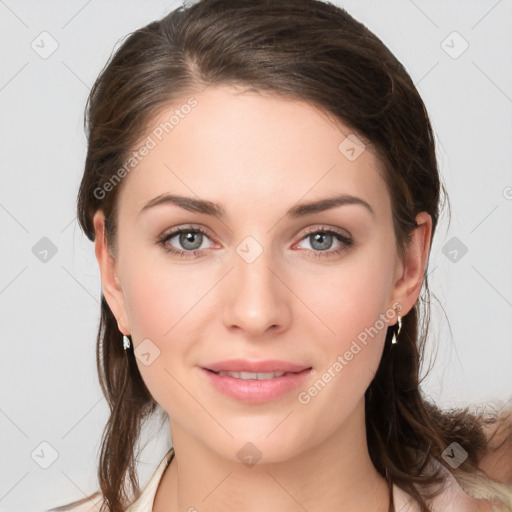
313	51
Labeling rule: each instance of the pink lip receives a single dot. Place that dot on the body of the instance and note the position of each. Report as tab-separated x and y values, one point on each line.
256	391
243	365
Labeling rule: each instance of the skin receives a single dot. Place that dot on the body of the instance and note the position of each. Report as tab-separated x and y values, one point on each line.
258	155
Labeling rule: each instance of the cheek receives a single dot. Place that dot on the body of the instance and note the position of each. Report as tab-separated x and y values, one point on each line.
349	358
161	299
350	298
353	305
165	307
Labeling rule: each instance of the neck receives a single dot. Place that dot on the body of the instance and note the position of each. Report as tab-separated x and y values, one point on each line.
335	474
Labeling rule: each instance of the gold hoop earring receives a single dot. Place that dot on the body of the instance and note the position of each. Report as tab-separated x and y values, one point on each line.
396	332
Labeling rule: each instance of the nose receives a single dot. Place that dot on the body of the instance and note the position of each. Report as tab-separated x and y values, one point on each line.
256	298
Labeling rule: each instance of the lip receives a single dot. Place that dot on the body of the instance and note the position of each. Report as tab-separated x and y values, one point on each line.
253	391
244	365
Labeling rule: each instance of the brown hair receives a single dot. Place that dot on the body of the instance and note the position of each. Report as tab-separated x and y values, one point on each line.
301	49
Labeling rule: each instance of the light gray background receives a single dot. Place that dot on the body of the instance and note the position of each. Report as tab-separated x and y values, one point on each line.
49	310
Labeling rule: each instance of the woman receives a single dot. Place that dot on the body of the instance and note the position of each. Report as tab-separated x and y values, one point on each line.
262	189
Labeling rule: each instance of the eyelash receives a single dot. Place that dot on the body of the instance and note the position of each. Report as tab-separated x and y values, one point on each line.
346	241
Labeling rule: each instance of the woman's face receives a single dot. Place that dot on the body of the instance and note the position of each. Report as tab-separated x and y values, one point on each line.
258	284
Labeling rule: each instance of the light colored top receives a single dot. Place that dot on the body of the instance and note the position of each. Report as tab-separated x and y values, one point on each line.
144	503
452	499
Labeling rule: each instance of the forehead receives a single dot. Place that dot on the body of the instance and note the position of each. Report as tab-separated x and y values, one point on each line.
250	148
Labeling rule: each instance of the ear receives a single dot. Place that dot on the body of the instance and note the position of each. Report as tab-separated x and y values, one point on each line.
109	281
410	270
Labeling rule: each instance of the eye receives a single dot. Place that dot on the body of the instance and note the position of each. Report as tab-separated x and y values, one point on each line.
322	239
190	238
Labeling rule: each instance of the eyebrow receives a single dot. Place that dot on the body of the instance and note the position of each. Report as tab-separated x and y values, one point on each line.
208	208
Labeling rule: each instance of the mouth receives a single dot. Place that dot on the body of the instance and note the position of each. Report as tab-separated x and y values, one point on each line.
256	387
255	366
255	375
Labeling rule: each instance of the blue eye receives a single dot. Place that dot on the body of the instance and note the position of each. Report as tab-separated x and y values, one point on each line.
191	239
187	237
324	237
